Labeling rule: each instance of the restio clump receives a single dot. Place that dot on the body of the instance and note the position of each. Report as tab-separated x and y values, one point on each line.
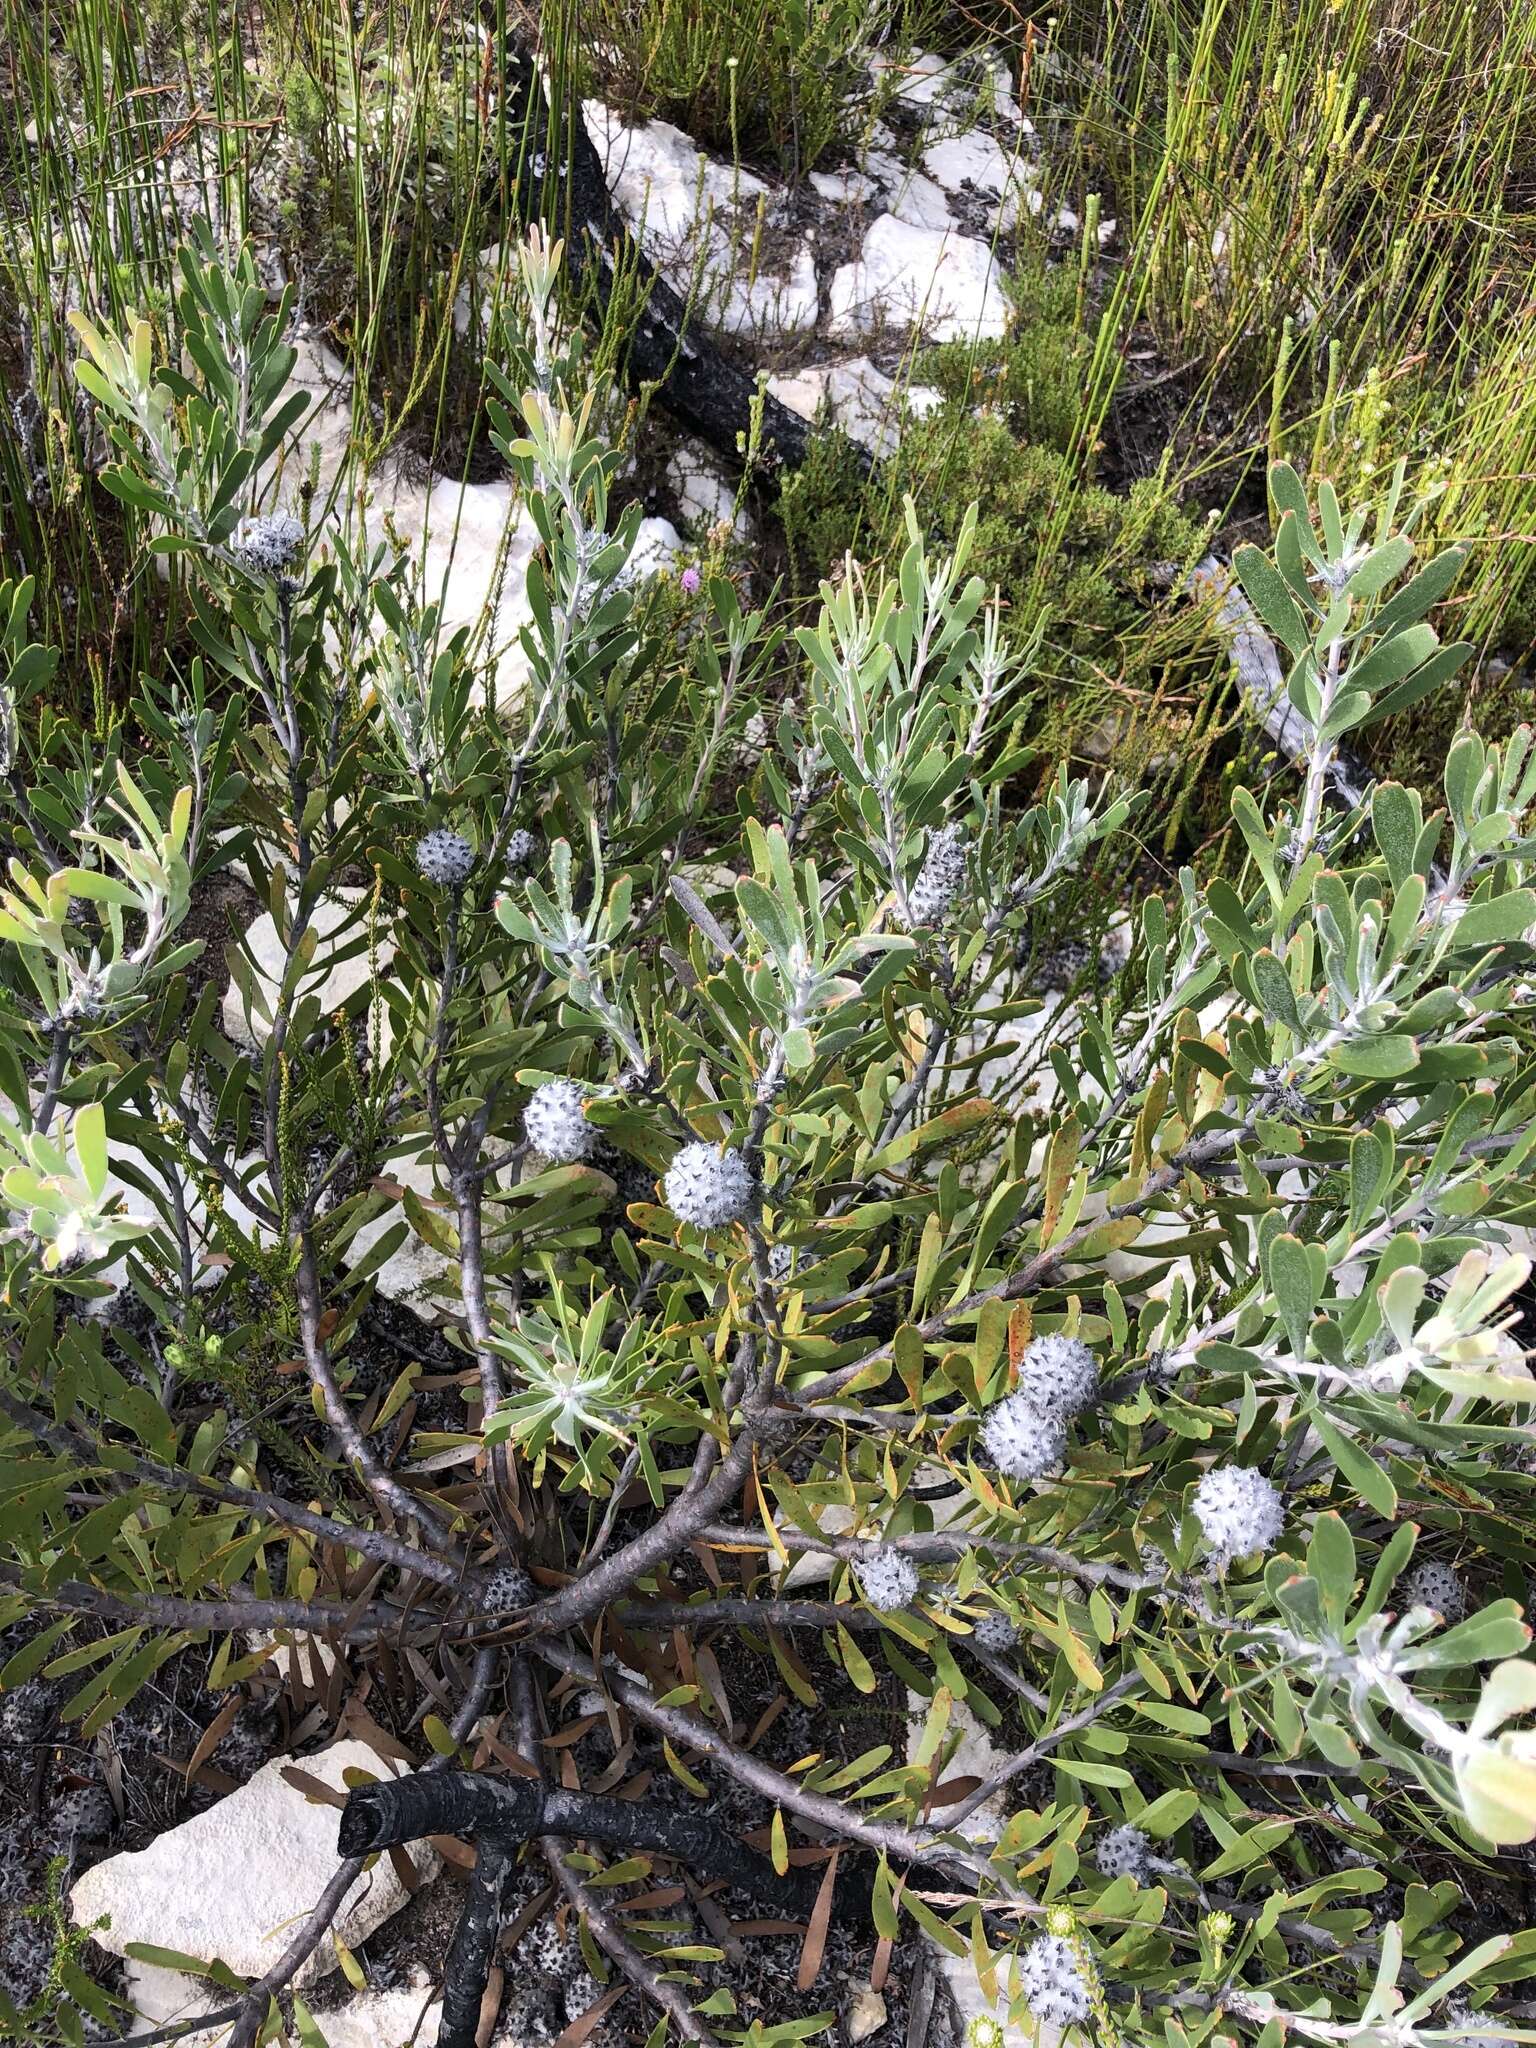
555	1123
1053	1982
887	1579
1435	1585
708	1187
1126	1851
445	857
1239	1511
1023	1441
1059	1375
269	544
940	878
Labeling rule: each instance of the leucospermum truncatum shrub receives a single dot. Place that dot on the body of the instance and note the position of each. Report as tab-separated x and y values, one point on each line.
768	1206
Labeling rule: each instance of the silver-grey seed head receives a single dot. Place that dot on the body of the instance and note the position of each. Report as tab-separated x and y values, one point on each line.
444	857
269	543
1021	1440
1053	1982
1238	1510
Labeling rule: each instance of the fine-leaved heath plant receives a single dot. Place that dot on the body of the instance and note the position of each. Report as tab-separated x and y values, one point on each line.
1141	1374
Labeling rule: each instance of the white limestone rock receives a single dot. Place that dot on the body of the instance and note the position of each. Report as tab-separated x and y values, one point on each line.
337	970
770	302
869	406
230	1884
658	546
864	2014
850	187
978	163
939	88
207	1260
319	448
946	284
693	215
706	494
411	1272
368	2019
921	79
974	1757
409	2014
471	544
910	196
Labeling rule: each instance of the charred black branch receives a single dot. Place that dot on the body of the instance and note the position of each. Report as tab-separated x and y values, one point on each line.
511	1811
499	1814
694	380
474	1942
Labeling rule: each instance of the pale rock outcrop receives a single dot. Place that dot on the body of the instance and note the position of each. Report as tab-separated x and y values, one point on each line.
338	968
706	493
946	284
869	406
230	1884
977	162
702	224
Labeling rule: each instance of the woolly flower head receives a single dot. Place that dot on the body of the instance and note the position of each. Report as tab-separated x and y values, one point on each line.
1238	1510
1437	1586
520	848
555	1122
887	1580
1021	1440
1124	1852
940	877
268	545
506	1588
444	857
1053	1982
706	1186
1059	1375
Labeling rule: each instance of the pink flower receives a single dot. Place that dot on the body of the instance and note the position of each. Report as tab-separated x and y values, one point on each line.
690	579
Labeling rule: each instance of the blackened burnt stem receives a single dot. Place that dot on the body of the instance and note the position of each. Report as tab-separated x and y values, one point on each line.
692	378
468	1969
254	2009
510	1811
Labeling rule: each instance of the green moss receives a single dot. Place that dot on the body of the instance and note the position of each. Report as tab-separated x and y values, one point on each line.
1062	551
1034	380
1065	553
